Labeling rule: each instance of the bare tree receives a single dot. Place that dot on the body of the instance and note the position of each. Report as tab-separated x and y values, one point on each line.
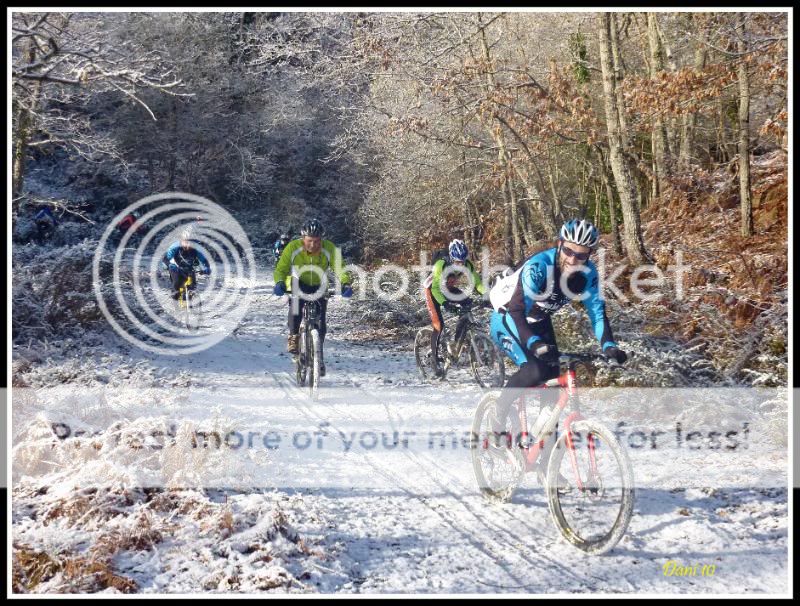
59	62
626	186
745	193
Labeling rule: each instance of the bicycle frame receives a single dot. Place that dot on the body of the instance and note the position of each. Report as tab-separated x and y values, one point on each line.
465	321
567	383
184	287
311	314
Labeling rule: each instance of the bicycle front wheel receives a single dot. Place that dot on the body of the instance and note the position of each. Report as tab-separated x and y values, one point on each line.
486	361
302	359
192	310
590	488
314	363
422	352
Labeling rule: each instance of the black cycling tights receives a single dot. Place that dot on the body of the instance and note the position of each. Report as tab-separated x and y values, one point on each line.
531	373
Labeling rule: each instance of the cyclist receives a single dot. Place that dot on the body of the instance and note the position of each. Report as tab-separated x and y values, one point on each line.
280	244
437	297
181	259
127	222
46	223
293	272
524	301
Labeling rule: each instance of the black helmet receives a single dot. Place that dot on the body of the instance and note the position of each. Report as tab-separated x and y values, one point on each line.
285	237
312	228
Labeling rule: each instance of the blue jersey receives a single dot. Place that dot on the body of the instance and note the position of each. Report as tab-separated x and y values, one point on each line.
539	293
185	259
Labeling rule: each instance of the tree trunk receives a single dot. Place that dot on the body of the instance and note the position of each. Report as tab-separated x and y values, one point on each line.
553	192
511	232
745	193
658	138
545	215
515	227
618	76
629	195
22	136
689	120
508	253
612	211
671	124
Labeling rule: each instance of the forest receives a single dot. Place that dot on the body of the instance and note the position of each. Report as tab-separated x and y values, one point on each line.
399	131
403	131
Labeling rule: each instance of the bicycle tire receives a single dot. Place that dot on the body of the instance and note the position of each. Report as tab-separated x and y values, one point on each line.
503	489
301	368
314	367
422	348
474	358
606	539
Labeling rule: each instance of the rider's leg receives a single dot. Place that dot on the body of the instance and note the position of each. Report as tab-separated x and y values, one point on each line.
176	277
532	370
437	323
293	342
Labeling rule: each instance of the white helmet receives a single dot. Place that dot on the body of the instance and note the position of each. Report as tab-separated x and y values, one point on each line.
580	232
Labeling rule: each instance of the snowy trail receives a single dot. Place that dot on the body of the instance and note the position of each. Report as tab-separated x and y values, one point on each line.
411	519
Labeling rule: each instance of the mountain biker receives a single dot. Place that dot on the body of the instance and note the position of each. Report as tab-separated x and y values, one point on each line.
127	222
181	258
524	301
453	265
280	244
45	223
293	272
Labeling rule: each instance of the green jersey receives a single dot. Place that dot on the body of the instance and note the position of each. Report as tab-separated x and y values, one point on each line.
452	279
294	257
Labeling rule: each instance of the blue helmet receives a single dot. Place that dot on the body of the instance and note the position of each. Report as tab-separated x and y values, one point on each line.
580	232
457	250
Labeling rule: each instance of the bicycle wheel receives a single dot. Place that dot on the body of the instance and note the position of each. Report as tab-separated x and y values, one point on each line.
595	515
486	361
314	351
497	462
422	352
191	310
301	371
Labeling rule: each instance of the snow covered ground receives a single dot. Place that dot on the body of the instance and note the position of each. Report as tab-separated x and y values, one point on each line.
340	515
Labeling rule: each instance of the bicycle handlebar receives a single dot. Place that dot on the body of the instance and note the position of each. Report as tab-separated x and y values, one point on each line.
329	293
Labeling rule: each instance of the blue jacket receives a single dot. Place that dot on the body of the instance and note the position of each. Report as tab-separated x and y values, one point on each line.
535	298
45	214
185	259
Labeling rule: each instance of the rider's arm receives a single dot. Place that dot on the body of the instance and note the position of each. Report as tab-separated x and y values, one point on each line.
169	256
204	264
476	279
283	268
337	263
436	285
596	310
531	283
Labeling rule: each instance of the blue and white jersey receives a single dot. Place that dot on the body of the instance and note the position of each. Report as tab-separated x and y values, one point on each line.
539	293
185	259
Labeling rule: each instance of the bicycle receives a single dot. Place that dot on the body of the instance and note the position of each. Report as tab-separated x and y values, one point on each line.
485	360
576	490
309	359
189	304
